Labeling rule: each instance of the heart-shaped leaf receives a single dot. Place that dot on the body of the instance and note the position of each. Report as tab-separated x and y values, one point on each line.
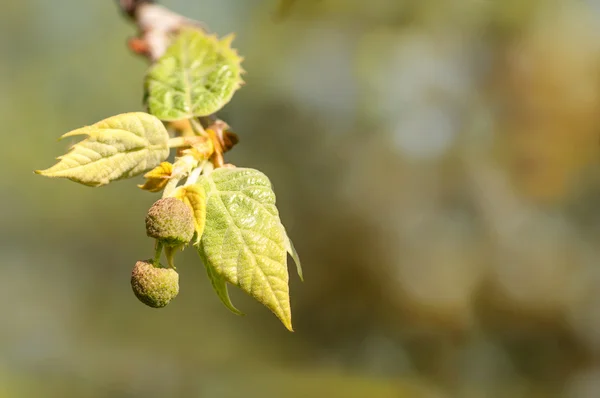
119	147
243	241
197	76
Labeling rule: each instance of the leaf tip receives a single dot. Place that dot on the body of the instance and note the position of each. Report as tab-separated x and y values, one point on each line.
232	308
74	133
228	39
288	324
237	312
45	172
294	254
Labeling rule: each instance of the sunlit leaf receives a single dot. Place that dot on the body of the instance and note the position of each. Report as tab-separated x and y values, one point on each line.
195	197
243	240
119	147
289	246
196	76
219	284
157	178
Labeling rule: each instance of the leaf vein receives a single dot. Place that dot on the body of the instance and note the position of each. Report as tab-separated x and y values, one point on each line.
240	235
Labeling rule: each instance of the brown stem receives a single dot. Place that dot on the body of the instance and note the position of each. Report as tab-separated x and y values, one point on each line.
155	26
129	7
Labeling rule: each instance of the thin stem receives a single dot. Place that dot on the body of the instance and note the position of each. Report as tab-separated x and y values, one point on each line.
197	127
158	246
182	167
195	174
185	141
176	142
170	187
208	168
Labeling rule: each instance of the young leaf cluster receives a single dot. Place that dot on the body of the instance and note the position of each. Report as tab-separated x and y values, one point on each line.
228	214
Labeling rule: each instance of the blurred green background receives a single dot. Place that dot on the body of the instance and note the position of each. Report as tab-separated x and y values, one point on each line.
435	162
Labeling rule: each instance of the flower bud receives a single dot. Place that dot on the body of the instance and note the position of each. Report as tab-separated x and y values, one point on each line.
154	286
170	221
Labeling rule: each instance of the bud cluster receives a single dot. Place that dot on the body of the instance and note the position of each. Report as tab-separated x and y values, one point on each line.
170	221
153	285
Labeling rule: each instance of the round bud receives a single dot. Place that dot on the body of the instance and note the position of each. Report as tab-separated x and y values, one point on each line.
170	221
154	286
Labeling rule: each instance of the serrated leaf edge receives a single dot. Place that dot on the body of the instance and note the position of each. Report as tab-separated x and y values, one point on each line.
223	46
287	322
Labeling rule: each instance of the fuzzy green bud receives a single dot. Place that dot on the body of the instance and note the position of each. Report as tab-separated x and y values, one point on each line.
170	221
154	286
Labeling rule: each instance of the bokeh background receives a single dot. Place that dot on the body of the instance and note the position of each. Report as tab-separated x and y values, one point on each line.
436	164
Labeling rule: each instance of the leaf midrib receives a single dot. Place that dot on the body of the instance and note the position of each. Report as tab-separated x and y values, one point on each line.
186	78
126	152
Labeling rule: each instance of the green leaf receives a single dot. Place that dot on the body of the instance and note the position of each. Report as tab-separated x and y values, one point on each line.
119	147
197	76
294	254
219	284
243	239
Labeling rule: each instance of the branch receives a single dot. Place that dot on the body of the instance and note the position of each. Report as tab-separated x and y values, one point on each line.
129	7
155	25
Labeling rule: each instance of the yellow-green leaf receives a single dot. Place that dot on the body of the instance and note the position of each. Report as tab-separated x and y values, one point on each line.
195	197
157	178
218	283
197	76
243	240
119	147
289	246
